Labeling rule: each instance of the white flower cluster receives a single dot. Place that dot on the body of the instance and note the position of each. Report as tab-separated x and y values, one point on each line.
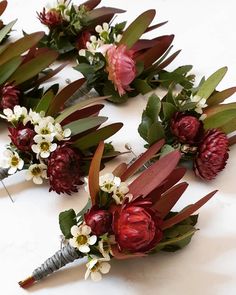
200	103
47	131
82	240
102	43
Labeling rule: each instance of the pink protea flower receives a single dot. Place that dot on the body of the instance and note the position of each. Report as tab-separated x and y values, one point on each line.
9	96
121	68
51	18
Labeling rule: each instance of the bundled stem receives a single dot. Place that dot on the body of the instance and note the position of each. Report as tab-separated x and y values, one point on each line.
61	258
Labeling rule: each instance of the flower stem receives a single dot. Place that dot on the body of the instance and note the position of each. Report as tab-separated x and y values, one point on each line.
61	258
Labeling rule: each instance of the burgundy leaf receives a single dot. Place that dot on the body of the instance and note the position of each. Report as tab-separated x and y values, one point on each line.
169	60
91	4
120	169
155	26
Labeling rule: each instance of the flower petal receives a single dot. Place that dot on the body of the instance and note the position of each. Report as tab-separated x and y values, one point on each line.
75	231
104	267
85	230
96	276
92	240
84	248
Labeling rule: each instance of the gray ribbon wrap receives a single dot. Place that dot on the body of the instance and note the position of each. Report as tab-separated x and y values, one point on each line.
62	257
3	173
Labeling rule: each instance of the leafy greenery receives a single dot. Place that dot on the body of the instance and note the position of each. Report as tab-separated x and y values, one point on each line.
66	220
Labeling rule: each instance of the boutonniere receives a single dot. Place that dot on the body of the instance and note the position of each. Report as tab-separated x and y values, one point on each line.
24	70
124	218
119	62
196	121
70	24
55	145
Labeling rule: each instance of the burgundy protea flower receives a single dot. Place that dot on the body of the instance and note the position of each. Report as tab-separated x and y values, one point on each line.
64	170
51	18
186	128
22	137
212	154
137	227
9	96
99	220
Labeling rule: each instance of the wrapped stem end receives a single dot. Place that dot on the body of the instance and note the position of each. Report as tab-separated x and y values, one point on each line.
27	282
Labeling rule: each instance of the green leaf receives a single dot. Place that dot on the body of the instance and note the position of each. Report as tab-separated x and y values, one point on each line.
33	67
66	220
93	138
8	68
20	46
153	108
135	30
155	133
168	110
210	84
6	29
219	119
144	126
219	97
229	127
85	124
176	243
141	86
44	102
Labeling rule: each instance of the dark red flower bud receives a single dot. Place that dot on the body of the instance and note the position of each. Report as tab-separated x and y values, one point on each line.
137	228
9	96
83	38
186	128
64	170
51	18
22	137
212	154
99	220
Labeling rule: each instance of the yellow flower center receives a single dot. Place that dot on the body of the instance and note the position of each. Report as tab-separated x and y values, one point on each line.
36	171
95	267
81	240
14	161
45	131
44	146
108	185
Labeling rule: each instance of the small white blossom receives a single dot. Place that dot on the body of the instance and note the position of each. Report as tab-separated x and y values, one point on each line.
96	267
103	31
120	192
36	172
109	183
35	118
201	103
81	238
104	245
82	52
12	161
117	38
44	129
43	146
61	134
18	113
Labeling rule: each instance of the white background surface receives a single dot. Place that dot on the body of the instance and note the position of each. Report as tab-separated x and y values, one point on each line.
29	231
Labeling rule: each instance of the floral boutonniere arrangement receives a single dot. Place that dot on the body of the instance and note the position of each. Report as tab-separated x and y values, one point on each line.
195	121
119	63
55	146
70	24
4	29
24	70
124	220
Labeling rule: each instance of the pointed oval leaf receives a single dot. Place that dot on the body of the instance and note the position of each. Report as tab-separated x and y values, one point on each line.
6	29
44	102
66	220
120	169
3	6
137	28
93	177
211	83
220	96
220	119
8	68
91	4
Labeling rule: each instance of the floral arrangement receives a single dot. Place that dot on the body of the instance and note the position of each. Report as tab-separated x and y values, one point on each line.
70	24
124	220
4	29
24	70
53	145
118	63
195	121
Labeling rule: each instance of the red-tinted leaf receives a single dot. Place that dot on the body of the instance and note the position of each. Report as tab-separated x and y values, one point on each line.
60	99
91	4
49	75
169	60
232	140
93	177
104	11
154	53
122	256
220	96
151	28
154	175
169	199
142	159
187	211
84	113
142	44
3	6
120	169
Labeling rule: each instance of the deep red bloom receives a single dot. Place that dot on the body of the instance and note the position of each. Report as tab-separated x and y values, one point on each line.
99	220
186	128
212	154
22	137
51	18
9	96
64	170
137	227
